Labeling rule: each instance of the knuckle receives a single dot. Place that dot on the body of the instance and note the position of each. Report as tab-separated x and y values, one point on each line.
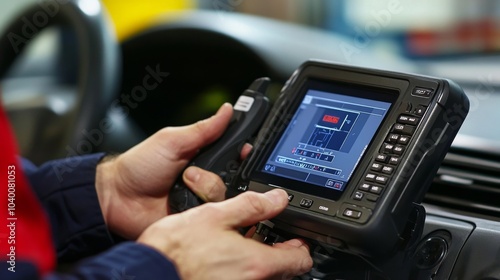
210	211
307	264
258	269
256	204
214	187
200	127
164	133
166	136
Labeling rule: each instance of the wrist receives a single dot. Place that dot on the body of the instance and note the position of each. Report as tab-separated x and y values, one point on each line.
169	245
105	185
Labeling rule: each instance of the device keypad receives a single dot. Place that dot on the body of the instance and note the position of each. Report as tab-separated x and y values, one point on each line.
398	149
387	148
372	197
365	187
358	195
404	139
393	138
306	203
354	213
406	119
351	213
381	179
370	177
394	160
385	163
404	129
301	200
376	189
381	158
376	166
387	169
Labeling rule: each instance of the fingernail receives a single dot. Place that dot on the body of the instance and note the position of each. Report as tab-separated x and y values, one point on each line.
227	104
192	174
276	196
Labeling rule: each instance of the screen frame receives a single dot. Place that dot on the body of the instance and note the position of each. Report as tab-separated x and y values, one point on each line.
383	94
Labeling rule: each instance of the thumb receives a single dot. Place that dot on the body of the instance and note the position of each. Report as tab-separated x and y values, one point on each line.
192	137
249	208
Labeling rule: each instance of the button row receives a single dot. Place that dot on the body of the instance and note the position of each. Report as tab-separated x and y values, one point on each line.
385	163
320	206
405	119
399	139
396	141
394	160
368	192
372	177
371	188
388	148
358	195
382	168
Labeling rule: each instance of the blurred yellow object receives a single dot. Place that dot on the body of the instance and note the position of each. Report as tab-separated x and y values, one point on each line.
131	16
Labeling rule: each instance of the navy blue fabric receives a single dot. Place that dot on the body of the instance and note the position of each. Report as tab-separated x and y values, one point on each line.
66	189
67	193
126	261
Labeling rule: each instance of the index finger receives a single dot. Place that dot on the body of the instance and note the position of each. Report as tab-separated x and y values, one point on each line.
245	151
288	259
291	258
249	208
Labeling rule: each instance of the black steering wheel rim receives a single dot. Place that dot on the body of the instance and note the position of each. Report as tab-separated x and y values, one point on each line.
99	58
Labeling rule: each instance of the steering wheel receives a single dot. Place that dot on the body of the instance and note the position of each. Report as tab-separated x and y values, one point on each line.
98	61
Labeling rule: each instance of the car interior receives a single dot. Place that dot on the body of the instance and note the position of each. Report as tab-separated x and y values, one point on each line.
73	81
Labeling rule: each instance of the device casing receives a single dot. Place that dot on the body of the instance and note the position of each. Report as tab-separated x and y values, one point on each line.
384	224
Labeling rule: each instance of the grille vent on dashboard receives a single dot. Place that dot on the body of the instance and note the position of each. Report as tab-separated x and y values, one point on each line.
468	182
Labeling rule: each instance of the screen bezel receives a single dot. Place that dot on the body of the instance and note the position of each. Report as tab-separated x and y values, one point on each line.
383	94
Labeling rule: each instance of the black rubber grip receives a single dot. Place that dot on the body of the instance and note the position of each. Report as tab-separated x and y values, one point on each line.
223	156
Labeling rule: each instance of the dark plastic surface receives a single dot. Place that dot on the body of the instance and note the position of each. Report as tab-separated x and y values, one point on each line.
223	156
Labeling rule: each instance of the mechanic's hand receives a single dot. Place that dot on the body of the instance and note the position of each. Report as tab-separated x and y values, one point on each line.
203	242
133	187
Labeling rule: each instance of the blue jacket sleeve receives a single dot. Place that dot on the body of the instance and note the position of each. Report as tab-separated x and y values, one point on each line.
126	261
66	189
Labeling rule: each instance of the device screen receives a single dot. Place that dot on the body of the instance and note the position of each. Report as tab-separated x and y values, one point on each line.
327	136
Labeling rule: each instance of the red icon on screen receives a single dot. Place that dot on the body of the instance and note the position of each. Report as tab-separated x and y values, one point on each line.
331	119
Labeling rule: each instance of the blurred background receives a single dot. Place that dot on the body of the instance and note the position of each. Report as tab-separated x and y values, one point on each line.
213	49
421	29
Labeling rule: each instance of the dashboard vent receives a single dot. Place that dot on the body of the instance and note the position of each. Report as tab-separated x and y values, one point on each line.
468	182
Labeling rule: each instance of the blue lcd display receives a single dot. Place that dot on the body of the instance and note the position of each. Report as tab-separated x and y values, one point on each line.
326	138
